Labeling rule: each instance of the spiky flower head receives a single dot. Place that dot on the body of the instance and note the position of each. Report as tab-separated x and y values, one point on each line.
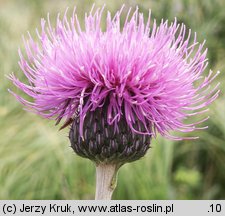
119	86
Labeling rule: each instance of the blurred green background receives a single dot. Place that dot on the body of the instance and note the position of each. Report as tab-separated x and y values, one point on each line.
35	159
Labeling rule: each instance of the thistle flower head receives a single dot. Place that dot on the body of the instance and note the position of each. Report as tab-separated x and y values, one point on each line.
148	79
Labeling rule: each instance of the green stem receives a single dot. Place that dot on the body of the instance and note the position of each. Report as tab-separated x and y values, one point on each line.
106	180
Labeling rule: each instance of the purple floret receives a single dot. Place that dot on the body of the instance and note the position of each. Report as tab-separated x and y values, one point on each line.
150	74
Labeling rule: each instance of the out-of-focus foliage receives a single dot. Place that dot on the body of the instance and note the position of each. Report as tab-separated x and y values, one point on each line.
35	159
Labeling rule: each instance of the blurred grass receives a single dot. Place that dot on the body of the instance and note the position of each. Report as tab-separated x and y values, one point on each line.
35	159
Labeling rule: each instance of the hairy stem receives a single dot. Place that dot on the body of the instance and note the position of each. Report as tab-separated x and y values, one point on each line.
106	179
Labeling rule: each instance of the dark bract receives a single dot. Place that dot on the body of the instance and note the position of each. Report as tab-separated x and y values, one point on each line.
103	143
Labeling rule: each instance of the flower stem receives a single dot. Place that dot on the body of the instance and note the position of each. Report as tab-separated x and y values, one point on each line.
106	179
